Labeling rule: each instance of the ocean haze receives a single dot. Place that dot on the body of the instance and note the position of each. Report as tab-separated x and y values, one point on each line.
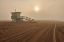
48	9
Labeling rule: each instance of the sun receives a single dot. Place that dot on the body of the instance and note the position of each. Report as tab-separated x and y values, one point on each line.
36	8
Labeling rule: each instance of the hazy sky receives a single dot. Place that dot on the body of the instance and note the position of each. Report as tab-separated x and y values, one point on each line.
48	9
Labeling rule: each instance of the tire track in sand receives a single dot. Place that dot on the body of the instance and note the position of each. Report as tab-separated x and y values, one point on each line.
36	36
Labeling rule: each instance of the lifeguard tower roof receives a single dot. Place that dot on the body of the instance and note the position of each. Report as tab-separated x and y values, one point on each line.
16	12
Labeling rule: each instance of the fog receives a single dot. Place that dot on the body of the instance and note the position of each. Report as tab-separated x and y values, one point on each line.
48	9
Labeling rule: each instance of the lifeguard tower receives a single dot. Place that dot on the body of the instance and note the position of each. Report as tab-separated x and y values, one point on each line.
16	17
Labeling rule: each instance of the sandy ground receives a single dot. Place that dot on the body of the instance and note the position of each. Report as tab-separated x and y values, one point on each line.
42	31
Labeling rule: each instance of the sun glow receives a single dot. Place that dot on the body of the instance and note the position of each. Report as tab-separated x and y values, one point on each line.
36	8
